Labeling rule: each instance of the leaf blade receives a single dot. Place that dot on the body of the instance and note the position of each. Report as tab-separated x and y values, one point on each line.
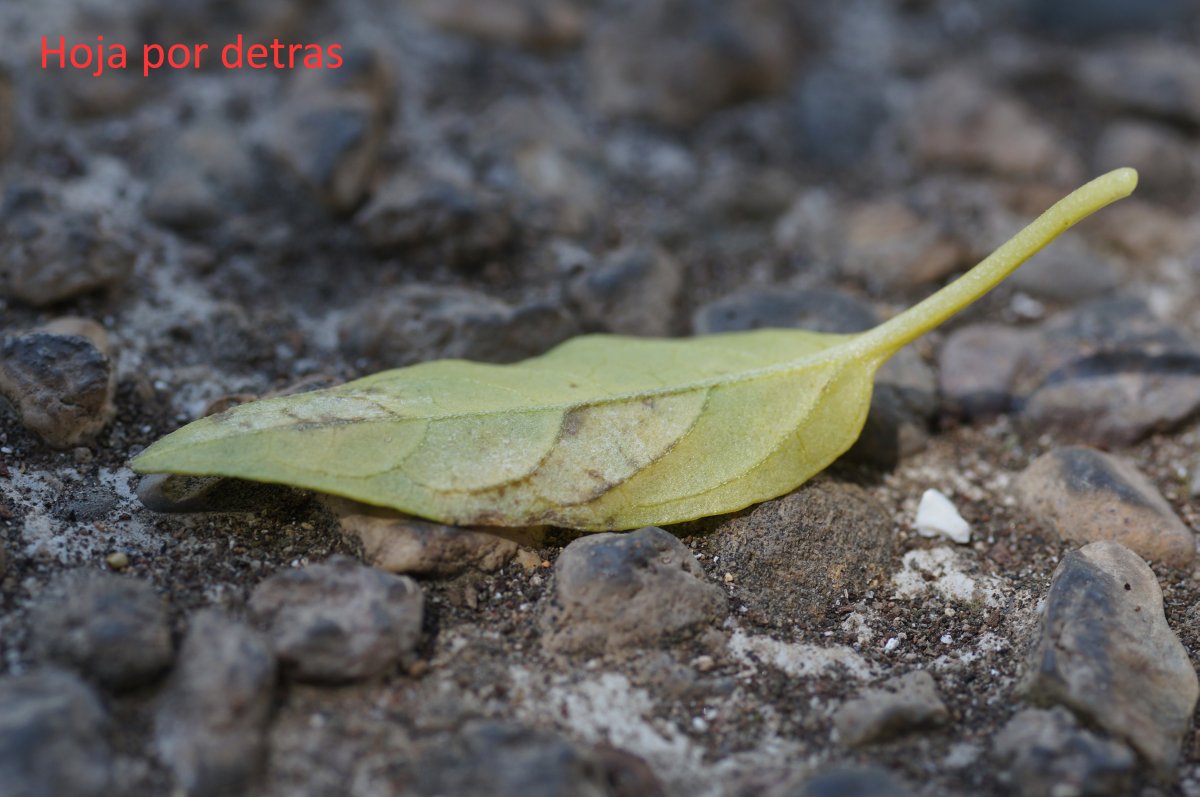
601	432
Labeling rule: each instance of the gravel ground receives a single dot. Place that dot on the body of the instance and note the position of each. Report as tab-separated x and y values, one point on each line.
483	179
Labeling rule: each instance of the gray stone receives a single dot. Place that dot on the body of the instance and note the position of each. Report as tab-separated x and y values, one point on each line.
735	191
764	308
958	121
200	176
1067	272
210	727
1085	495
1105	651
533	24
338	621
793	557
1164	160
329	130
1045	753
422	322
1108	373
52	251
111	628
61	381
628	590
677	61
889	247
8	115
504	760
402	544
1150	77
847	782
839	112
900	705
53	737
977	366
1086	19
458	224
632	291
568	189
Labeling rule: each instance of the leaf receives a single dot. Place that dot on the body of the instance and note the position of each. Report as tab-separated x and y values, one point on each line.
600	433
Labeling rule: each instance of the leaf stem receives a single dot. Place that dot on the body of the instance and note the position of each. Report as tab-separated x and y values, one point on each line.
886	339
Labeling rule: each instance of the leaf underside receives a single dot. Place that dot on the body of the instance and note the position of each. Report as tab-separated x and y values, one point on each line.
600	433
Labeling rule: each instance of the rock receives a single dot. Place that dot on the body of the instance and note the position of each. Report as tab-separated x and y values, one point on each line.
1106	652
1108	373
735	191
1085	19
793	557
421	548
1068	272
422	322
61	381
52	250
1044	753
1142	231
937	516
629	590
461	225
764	308
111	628
812	227
570	189
503	760
889	248
53	737
959	122
900	705
977	366
905	396
847	782
329	130
632	291
534	24
8	113
200	175
338	621
1194	484
838	112
1150	77
1163	158
1085	495
677	61
211	724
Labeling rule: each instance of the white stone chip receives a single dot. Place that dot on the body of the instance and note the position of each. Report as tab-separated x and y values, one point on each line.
936	516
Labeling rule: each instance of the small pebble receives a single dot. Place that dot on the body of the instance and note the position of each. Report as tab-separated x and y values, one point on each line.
117	561
111	628
1107	653
937	516
628	590
1083	495
54	737
338	621
898	706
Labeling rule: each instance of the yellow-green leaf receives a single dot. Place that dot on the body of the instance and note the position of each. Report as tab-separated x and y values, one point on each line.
600	433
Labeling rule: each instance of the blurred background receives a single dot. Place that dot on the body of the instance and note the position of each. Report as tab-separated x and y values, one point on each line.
485	178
